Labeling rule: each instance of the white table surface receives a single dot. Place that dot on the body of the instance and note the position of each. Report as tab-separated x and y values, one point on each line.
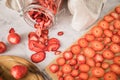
10	18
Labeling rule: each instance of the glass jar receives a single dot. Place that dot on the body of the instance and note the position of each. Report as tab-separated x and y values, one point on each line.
41	13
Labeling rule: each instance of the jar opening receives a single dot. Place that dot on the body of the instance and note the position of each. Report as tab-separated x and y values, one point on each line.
36	14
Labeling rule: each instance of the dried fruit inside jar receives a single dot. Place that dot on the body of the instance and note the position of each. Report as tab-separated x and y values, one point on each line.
41	13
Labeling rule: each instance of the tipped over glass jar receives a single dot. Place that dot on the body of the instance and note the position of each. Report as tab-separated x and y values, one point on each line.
37	13
41	13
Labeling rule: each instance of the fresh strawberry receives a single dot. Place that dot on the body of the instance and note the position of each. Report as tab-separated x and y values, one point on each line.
2	47
19	71
38	57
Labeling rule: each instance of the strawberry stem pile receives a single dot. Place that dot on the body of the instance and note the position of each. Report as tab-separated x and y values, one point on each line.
94	56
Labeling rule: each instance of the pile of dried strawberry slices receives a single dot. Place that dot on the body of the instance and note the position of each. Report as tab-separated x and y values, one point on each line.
95	56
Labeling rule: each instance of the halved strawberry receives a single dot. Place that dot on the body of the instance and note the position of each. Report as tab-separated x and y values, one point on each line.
75	73
117	9
117	24
61	61
97	31
115	39
97	45
117	60
90	62
98	58
75	49
81	59
72	62
19	71
108	33
115	48
110	76
59	73
38	57
68	77
115	68
107	54
114	15
89	37
88	52
66	68
103	24
108	18
107	40
54	68
68	55
83	42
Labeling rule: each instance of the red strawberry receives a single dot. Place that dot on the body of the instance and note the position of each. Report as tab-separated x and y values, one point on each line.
98	58
38	57
19	71
36	46
81	59
53	47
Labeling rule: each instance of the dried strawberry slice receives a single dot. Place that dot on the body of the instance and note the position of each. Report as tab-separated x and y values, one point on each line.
45	31
38	57
33	36
36	46
53	47
53	40
38	32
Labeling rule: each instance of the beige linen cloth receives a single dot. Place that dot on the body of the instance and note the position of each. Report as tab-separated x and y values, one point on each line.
85	12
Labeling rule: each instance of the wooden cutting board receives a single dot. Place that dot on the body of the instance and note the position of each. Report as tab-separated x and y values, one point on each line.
7	62
54	76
